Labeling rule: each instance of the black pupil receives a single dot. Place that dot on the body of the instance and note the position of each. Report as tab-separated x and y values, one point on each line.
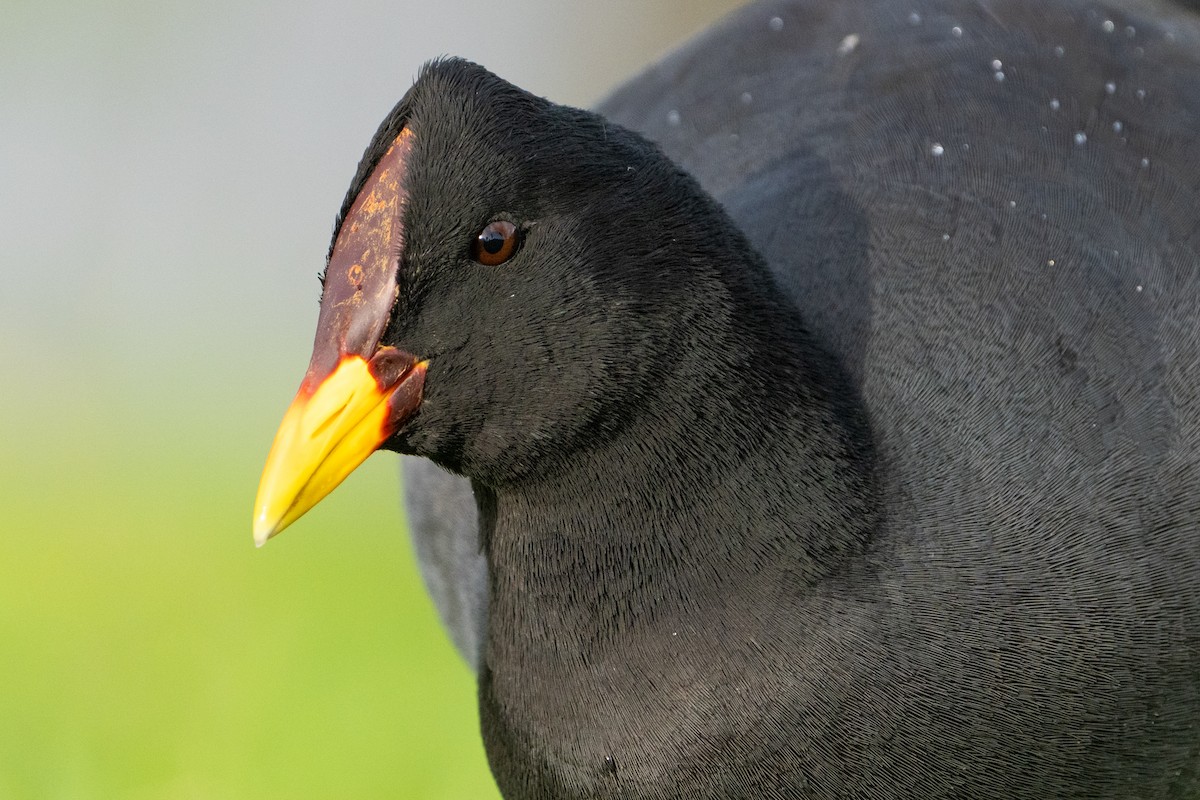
492	241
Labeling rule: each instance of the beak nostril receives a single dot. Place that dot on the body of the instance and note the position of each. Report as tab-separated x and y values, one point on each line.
328	421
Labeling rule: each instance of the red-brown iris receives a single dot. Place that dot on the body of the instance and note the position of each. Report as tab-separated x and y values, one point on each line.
496	243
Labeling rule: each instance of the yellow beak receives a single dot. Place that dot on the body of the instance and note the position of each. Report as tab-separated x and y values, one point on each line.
326	433
356	393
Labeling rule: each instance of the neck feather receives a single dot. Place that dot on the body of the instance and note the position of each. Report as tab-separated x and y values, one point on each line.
742	479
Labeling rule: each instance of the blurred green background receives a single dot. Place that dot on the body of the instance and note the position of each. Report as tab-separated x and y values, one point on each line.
169	174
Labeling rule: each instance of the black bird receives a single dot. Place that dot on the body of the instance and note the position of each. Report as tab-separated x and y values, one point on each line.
877	476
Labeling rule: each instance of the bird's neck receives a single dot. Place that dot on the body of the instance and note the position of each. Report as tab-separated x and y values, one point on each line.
744	476
630	581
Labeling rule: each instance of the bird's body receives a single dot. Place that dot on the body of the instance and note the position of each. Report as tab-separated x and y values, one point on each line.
917	518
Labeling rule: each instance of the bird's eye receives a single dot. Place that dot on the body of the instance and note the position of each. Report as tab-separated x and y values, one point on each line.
496	243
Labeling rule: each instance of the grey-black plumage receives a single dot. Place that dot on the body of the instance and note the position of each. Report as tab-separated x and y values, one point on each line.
878	475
